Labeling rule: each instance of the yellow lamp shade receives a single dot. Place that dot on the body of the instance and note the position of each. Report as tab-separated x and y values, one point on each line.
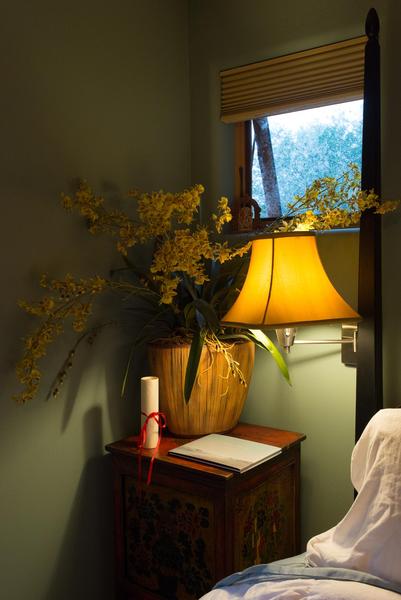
286	285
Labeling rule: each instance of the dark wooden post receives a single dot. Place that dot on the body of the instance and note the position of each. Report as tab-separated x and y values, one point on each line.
369	378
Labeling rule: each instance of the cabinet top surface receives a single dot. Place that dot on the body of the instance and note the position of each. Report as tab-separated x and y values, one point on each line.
257	433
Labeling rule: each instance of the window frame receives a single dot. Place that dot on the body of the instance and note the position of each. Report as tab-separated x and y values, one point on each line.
319	76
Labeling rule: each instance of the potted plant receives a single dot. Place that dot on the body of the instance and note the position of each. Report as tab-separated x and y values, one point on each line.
180	298
192	279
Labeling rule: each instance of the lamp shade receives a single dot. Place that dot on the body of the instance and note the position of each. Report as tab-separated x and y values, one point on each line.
286	285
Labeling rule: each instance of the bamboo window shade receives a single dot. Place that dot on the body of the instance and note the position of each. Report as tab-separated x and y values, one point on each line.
316	77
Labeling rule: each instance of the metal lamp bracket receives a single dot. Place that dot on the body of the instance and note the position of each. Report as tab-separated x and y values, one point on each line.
349	350
348	341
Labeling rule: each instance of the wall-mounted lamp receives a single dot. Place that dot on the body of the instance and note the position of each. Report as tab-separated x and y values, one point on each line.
286	285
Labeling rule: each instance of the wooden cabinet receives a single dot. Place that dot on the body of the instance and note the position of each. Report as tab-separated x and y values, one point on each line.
195	524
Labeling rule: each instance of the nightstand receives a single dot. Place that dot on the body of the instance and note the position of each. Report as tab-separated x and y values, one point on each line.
195	524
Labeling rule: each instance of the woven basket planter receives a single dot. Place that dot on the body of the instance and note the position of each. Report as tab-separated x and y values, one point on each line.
217	397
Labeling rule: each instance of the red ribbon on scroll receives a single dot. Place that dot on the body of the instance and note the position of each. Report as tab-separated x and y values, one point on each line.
160	419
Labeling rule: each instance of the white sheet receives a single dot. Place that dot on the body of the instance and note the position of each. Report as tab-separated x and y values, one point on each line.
368	538
301	589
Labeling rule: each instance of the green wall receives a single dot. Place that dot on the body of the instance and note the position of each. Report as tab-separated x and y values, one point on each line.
126	94
321	402
101	90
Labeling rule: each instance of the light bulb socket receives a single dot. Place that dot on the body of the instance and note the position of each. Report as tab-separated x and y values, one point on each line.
286	337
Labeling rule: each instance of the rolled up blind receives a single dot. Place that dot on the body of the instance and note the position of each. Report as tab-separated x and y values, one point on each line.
316	77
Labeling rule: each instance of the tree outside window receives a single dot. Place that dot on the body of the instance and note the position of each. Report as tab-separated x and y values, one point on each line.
291	150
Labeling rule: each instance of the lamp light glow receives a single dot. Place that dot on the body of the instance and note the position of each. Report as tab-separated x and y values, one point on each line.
286	285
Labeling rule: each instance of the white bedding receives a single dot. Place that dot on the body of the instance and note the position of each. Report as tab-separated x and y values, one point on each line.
367	540
301	589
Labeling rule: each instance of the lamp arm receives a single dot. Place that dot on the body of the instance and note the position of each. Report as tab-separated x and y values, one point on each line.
286	338
350	341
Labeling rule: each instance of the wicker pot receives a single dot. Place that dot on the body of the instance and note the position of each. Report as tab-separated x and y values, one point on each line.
217	397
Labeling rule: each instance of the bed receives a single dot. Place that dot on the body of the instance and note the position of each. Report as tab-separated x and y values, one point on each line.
273	582
359	558
300	589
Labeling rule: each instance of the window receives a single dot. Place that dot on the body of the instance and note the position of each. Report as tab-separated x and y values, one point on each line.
298	117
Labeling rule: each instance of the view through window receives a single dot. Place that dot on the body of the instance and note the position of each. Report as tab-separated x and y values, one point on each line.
291	150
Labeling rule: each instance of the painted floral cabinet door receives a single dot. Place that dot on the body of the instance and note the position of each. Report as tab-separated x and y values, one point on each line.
195	524
169	540
264	521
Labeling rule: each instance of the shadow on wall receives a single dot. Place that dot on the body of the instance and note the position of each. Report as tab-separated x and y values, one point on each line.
84	567
87	546
124	411
103	366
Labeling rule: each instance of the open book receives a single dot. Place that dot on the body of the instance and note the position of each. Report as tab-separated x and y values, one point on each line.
226	452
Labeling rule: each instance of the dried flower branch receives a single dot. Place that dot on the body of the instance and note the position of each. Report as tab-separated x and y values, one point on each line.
180	293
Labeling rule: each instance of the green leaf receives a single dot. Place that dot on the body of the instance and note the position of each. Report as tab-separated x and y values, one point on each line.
141	338
135	269
193	363
227	290
214	273
237	336
127	368
189	314
265	343
208	313
188	285
138	273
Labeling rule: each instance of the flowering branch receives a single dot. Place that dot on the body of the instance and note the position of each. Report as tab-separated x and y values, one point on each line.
179	287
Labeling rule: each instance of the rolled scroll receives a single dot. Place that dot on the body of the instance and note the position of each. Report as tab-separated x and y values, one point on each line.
149	405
